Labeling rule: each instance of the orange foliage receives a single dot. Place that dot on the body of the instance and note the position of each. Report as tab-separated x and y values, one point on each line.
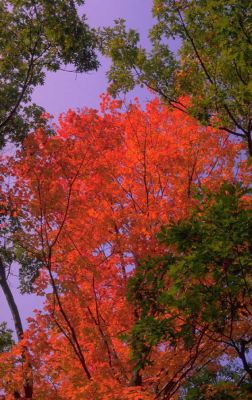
93	197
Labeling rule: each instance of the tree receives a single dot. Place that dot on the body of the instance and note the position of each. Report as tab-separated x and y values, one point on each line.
35	37
90	220
6	340
213	64
28	269
202	285
223	382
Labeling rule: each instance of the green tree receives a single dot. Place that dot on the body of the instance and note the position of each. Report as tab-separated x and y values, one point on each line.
202	285
35	37
213	65
226	383
6	340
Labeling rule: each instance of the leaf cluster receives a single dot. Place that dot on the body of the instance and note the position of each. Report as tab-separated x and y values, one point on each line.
212	66
221	383
204	281
35	37
6	340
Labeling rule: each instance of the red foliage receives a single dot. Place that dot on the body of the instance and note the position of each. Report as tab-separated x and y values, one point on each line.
93	197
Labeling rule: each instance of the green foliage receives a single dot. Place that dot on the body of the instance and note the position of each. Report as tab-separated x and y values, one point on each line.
133	65
36	36
6	340
214	249
11	252
204	280
216	382
29	265
28	270
213	65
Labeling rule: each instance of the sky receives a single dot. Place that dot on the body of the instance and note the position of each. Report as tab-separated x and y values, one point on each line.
63	90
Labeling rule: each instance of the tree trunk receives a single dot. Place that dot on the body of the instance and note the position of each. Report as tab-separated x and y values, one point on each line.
250	142
27	385
11	302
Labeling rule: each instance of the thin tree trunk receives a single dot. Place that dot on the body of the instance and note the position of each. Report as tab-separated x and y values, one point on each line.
11	303
28	389
250	142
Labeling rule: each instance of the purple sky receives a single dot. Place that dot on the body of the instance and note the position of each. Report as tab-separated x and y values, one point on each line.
65	90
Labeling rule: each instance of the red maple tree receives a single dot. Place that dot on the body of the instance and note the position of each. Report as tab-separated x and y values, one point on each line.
92	199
